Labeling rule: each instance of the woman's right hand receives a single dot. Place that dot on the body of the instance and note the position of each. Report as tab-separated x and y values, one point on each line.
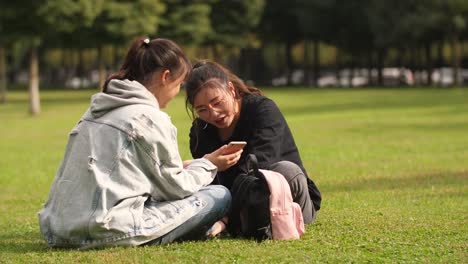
223	161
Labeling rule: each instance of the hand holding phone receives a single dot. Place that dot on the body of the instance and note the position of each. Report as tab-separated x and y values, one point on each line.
234	146
227	155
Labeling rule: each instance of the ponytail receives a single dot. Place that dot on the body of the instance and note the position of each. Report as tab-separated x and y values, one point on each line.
146	56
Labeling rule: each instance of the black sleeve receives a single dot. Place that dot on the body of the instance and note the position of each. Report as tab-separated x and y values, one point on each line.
268	127
194	141
271	140
200	142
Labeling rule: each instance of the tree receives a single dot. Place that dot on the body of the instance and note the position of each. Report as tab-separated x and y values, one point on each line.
233	20
5	18
93	24
314	21
185	23
72	21
13	28
343	24
419	27
383	19
456	20
3	77
3	68
233	23
280	24
122	20
30	28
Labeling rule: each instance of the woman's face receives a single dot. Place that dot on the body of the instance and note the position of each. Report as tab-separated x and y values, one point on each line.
216	106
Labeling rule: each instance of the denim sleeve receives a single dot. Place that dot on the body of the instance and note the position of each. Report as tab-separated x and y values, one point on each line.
171	180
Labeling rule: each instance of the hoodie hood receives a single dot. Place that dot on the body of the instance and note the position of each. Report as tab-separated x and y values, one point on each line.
121	93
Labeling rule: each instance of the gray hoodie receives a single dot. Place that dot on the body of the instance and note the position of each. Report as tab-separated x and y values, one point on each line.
121	181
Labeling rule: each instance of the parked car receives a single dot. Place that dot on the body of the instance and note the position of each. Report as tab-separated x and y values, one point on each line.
444	76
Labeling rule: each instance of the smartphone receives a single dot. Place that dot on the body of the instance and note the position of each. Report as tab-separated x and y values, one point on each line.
234	146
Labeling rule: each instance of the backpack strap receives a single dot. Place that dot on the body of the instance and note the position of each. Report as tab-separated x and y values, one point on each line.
281	196
252	167
249	191
252	164
239	192
286	216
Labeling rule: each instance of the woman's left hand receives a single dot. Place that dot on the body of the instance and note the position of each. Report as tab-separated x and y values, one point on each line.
185	163
223	161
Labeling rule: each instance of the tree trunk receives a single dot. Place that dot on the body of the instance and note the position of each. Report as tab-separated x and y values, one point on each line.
338	67
3	76
116	60
440	60
81	68
288	51
428	51
316	62
279	65
370	65
102	67
305	66
421	60
413	59
462	54
455	59
380	65
34	100
216	53
351	72
400	57
245	64
440	54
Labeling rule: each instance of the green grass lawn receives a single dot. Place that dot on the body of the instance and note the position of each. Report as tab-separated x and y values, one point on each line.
392	166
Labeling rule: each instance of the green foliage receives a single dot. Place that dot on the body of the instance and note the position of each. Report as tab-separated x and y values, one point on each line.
21	20
68	15
130	18
232	21
400	22
187	24
354	26
280	22
391	165
83	23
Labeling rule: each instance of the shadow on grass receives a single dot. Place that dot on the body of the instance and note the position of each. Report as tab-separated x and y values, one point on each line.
376	104
436	180
446	126
22	245
53	99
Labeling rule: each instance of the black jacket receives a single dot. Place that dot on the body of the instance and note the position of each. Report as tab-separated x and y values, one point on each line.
262	125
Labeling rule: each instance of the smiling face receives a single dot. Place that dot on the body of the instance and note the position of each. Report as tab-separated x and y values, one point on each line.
217	106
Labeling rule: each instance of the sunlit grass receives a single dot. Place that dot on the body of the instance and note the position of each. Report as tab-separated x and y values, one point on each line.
392	165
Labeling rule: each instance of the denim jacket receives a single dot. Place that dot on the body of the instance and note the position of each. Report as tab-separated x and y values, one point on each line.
121	181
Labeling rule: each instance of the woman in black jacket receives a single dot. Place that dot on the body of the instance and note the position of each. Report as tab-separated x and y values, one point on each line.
225	110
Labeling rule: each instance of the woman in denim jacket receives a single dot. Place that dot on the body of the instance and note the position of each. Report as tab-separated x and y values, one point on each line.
122	181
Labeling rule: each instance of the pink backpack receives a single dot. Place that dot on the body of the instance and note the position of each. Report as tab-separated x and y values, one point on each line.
285	215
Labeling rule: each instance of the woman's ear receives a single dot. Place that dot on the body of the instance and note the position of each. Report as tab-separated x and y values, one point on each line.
165	76
232	89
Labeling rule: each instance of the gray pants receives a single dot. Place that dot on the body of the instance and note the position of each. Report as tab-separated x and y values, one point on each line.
299	189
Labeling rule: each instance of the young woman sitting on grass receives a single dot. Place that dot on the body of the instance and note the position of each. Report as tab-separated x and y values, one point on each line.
228	110
122	181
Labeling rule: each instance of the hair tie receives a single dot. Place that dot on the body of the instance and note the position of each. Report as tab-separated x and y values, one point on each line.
146	41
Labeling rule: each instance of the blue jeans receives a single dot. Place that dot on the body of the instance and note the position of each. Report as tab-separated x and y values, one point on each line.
218	203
